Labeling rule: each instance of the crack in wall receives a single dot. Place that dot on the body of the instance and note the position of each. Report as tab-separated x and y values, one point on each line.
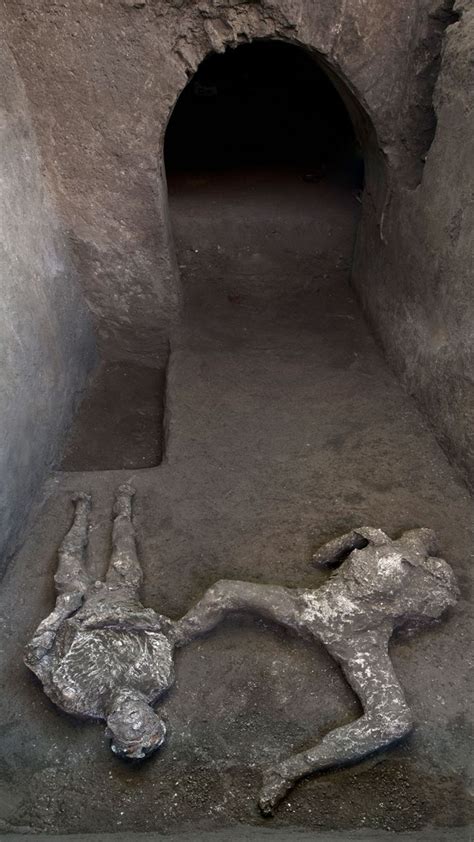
418	135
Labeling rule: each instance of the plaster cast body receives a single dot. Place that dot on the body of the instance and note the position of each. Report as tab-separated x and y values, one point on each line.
380	586
100	653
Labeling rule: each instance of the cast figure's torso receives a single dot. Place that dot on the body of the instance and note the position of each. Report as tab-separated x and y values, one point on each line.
364	594
111	642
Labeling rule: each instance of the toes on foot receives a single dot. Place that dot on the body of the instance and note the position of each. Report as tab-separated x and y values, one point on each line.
275	787
266	807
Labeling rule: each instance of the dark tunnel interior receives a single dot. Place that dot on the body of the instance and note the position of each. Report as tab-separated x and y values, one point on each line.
267	103
264	174
250	128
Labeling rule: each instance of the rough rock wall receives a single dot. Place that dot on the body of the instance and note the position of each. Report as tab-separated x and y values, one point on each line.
102	79
46	344
417	285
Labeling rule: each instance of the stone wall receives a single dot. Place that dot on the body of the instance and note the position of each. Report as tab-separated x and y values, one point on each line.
46	344
102	80
417	283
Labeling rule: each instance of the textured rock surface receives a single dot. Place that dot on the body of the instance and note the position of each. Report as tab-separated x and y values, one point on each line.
282	432
102	80
285	428
46	344
417	287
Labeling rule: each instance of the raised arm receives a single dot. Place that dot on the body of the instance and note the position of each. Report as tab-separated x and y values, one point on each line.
335	551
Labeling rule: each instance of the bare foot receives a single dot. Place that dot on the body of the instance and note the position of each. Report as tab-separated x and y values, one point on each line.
123	500
83	499
275	786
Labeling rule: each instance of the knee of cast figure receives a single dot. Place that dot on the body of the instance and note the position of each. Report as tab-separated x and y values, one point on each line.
230	594
221	589
134	728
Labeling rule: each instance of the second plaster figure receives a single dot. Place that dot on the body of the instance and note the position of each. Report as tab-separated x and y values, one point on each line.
381	585
100	654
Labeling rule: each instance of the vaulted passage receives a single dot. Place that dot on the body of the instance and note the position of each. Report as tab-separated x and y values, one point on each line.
265	182
265	175
265	103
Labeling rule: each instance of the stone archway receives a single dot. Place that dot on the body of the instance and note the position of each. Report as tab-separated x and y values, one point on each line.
361	124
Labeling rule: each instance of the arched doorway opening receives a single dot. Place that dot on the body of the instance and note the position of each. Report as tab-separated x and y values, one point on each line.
267	103
265	174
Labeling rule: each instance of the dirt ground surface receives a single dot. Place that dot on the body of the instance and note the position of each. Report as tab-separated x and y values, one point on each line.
284	427
119	422
258	834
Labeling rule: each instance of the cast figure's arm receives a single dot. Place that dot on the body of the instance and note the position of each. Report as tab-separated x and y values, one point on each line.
335	551
44	636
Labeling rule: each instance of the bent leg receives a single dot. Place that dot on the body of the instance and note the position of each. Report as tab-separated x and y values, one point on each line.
226	597
124	568
386	720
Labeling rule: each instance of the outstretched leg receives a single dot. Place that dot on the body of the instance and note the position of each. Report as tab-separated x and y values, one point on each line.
386	720
71	575
124	568
72	582
226	597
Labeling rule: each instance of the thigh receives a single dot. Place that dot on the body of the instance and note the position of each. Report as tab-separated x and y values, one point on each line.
271	602
112	599
71	576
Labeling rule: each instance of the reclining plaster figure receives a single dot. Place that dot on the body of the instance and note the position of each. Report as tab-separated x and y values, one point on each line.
101	654
381	585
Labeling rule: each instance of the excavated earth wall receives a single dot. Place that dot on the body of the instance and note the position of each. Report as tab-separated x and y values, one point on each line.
46	341
101	80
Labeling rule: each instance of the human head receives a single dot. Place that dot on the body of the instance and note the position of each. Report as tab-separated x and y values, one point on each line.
431	591
133	726
434	587
444	588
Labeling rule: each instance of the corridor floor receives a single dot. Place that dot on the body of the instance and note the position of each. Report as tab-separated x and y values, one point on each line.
284	427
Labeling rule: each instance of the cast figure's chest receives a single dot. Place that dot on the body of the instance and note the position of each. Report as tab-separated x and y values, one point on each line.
88	665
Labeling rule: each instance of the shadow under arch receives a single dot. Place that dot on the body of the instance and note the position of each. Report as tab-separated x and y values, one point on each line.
376	178
338	123
353	102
